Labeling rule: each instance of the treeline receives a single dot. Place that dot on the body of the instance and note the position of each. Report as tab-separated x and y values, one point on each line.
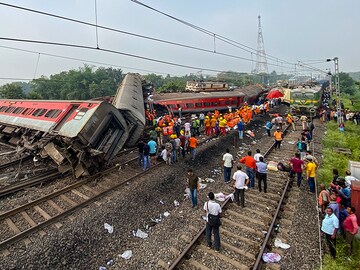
88	82
84	83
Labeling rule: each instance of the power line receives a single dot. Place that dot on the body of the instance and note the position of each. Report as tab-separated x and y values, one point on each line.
110	51
142	36
138	35
85	60
208	32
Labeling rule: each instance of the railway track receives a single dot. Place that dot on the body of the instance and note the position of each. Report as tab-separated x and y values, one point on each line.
15	162
23	221
247	233
31	181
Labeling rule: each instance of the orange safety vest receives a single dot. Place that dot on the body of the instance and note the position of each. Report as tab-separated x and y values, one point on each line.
170	130
165	131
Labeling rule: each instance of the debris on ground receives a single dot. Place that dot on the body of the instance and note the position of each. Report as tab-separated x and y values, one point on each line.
109	228
280	244
139	233
126	255
271	257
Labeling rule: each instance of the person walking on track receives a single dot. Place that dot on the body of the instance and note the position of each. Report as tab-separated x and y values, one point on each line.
261	169
213	214
228	161
278	134
241	181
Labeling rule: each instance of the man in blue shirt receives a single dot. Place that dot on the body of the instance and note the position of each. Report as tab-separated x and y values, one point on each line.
240	127
268	127
329	227
152	145
261	170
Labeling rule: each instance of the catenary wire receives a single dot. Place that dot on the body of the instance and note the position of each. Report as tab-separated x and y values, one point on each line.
137	35
85	60
110	51
208	32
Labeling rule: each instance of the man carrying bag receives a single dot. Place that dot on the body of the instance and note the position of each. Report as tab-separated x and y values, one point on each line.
213	213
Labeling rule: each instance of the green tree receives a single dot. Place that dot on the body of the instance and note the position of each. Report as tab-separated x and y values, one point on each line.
347	84
12	91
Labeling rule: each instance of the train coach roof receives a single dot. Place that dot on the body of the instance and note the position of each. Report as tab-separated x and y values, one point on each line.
187	95
13	101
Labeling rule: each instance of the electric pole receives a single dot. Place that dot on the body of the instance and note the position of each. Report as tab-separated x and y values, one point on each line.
261	62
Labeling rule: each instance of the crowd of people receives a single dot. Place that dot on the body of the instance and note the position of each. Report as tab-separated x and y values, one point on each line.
172	139
339	214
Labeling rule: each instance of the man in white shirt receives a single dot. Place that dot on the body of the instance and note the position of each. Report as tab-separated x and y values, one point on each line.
241	181
258	155
228	160
349	178
213	208
164	154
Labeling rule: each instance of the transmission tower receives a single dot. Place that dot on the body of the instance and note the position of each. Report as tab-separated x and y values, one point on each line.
261	63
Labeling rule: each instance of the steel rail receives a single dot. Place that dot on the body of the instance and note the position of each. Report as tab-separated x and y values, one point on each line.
54	219
201	232
32	181
15	162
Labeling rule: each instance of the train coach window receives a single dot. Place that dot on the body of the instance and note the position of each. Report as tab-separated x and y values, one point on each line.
207	104
233	102
80	114
227	102
172	106
198	104
52	113
214	103
10	109
3	108
27	111
189	105
18	110
39	112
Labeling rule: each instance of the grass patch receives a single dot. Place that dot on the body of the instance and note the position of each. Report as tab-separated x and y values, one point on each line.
348	139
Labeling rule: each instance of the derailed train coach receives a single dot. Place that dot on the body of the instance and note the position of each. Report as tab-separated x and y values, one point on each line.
130	102
79	136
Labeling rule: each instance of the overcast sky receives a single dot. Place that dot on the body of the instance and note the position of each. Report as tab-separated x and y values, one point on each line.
292	30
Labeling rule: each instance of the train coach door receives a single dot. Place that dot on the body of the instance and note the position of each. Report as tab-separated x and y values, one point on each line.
69	112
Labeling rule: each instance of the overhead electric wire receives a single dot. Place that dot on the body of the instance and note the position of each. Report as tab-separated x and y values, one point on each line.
133	34
140	36
208	32
109	51
85	60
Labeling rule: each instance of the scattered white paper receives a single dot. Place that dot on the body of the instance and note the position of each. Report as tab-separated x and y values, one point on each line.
126	255
109	228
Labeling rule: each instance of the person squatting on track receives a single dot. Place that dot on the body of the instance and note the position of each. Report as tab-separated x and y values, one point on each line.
213	214
241	182
228	161
329	227
193	184
250	164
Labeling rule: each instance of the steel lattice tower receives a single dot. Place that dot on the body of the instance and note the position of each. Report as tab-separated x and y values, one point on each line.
261	62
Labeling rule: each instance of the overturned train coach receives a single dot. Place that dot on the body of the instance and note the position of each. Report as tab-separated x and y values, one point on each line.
79	136
205	101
